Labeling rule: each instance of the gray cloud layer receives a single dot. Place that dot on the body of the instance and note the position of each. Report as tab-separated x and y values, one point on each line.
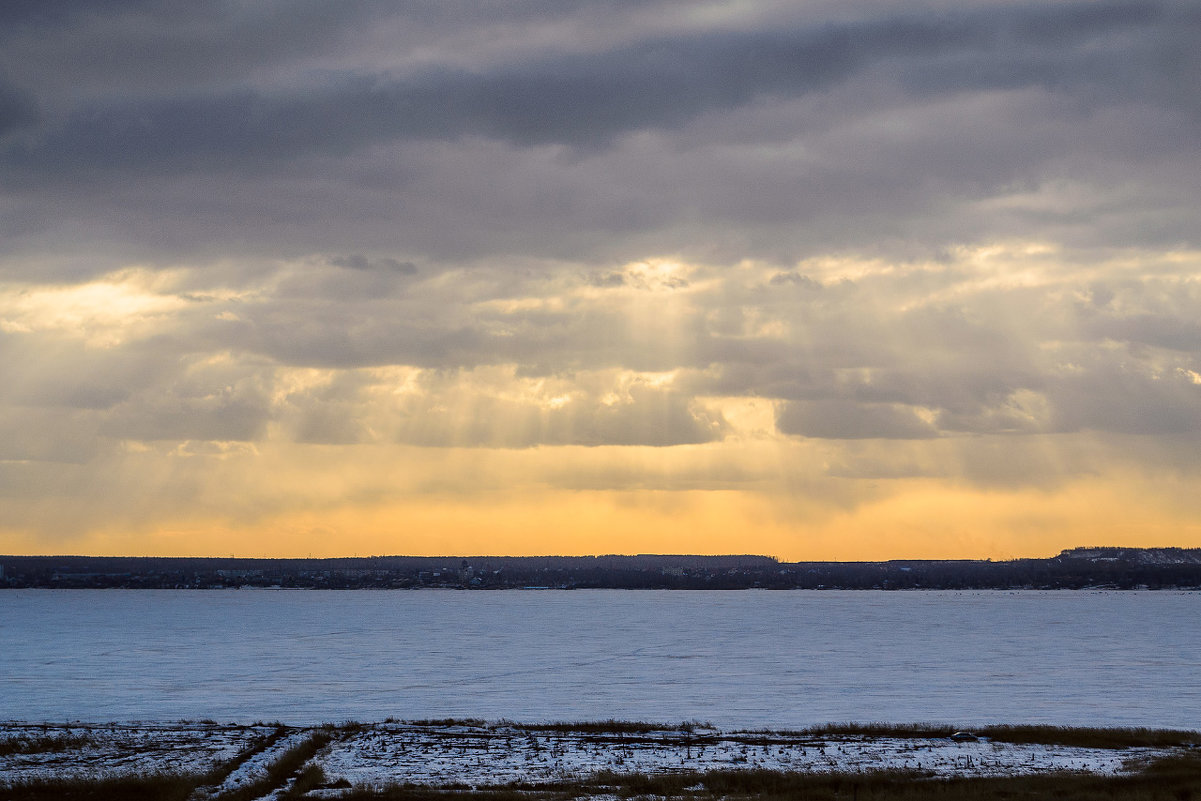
1097	52
470	191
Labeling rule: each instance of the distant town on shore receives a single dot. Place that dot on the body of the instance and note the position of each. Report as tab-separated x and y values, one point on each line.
1116	568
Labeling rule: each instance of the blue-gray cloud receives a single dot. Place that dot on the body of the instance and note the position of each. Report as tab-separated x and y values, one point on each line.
18	109
1110	51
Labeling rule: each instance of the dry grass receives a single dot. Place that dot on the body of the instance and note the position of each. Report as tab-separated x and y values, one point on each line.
45	744
151	787
1081	737
1093	737
290	762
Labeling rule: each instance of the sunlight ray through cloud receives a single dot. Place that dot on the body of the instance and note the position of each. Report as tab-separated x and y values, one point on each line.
853	281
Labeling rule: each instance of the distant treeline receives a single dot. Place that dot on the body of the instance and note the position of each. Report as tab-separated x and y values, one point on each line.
1079	568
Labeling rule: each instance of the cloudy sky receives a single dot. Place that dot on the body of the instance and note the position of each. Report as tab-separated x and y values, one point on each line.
825	279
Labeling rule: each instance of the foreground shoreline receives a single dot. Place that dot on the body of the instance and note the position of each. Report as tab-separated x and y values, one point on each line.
423	759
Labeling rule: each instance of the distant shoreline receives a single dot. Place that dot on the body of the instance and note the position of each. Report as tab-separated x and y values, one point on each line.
1107	568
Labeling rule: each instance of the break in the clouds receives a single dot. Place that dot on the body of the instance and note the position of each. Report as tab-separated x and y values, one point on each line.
816	272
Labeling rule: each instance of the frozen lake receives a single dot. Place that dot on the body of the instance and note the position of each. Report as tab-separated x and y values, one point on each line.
735	659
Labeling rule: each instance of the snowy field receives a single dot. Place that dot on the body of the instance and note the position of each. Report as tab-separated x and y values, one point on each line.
31	751
500	753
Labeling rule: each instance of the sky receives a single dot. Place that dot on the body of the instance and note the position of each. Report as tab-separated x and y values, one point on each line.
832	279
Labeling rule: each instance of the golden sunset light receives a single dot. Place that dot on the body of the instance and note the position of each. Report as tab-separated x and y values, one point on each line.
815	281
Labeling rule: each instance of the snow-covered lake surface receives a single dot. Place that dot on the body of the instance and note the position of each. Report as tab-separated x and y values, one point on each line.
735	659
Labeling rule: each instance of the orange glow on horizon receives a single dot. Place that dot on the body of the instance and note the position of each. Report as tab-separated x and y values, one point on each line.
927	520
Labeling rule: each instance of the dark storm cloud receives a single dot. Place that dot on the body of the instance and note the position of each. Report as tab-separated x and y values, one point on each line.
607	279
18	109
16	14
225	404
330	335
845	420
32	434
127	46
793	277
766	137
1124	396
184	419
358	261
587	99
1159	330
356	278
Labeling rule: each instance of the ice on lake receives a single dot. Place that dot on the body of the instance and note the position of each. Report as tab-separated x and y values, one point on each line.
734	659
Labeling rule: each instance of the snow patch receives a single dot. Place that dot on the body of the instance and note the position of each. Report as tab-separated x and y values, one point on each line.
124	749
493	754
